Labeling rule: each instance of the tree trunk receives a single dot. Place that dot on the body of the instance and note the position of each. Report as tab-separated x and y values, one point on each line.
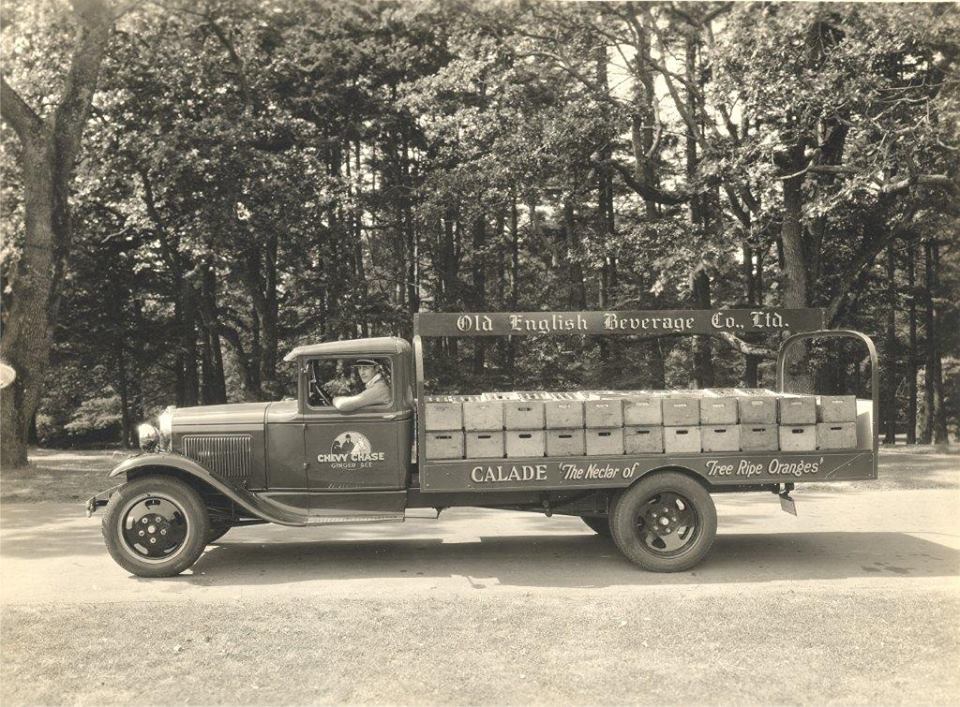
190	392
28	330
49	153
938	413
126	431
795	274
751	363
912	349
930	331
890	416
214	383
479	284
703	353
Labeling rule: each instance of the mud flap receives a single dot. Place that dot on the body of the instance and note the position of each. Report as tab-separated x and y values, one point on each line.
787	504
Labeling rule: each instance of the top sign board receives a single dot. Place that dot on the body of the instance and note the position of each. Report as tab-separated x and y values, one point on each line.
638	323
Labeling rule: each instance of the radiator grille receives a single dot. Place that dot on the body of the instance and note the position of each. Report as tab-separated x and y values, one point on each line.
228	456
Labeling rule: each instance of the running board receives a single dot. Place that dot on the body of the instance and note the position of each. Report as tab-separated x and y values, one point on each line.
344	519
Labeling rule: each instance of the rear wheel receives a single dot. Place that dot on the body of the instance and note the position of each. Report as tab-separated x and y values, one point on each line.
598	524
666	522
155	526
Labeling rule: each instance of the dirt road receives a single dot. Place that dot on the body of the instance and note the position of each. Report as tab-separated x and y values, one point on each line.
857	599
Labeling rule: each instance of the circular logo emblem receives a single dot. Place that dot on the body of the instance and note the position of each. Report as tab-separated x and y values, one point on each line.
351	443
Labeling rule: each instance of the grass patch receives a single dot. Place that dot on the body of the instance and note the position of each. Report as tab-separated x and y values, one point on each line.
59	475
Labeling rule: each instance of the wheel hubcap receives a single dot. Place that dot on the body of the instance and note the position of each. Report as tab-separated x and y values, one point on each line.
667	524
154	528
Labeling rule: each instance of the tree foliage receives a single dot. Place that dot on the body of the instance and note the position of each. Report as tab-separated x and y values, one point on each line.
260	174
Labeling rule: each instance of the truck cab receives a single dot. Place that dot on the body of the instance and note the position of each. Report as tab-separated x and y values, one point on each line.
314	446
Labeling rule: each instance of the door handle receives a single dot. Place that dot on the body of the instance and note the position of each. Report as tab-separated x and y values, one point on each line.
391	416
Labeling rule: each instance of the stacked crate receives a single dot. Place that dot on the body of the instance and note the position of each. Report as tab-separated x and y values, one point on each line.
603	420
563	415
612	423
798	422
525	420
443	421
757	412
836	421
483	427
681	421
719	418
643	422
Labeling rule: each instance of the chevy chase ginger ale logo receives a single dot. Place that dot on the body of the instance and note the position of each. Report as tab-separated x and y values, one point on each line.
350	450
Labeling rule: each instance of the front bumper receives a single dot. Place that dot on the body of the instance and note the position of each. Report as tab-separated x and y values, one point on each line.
101	499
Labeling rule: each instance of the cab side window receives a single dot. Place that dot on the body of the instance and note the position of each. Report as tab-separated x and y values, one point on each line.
349	384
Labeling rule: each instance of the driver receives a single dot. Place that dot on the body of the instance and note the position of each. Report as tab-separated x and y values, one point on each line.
376	387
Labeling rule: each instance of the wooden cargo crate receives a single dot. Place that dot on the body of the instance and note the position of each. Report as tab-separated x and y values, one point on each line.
525	443
798	438
523	414
444	445
563	414
443	414
681	410
485	444
681	439
757	409
837	408
602	441
642	410
716	438
836	435
566	443
757	438
482	415
798	409
605	412
717	409
639	439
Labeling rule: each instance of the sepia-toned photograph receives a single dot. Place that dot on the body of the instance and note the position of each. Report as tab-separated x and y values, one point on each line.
479	352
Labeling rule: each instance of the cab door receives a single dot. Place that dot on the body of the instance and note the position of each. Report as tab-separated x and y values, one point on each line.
364	449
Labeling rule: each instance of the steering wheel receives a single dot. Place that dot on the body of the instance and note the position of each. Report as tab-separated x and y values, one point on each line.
318	398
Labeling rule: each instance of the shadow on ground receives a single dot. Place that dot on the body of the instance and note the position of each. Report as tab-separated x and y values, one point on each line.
576	560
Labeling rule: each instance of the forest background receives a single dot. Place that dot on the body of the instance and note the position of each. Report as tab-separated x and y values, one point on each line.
189	189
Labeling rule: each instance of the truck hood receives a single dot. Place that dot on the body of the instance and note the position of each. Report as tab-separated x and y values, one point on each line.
224	416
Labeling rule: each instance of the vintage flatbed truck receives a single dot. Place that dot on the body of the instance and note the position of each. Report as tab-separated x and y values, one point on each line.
307	462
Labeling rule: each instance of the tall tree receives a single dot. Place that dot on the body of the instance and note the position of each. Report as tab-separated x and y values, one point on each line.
50	145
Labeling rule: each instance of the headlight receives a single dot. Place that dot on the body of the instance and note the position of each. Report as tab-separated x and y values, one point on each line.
148	436
166	422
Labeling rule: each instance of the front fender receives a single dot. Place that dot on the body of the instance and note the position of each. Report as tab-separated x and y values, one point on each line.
166	459
257	507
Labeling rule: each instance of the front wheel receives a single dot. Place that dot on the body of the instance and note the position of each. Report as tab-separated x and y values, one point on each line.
155	526
665	522
216	532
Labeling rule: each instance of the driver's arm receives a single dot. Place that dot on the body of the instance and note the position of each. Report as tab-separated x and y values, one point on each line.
378	394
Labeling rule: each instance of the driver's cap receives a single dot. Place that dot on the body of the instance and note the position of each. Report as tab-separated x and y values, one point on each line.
365	362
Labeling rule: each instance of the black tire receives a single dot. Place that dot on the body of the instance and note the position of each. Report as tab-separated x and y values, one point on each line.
216	532
598	524
163	510
665	522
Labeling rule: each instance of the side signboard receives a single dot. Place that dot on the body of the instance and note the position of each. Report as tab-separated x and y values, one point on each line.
637	323
719	470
